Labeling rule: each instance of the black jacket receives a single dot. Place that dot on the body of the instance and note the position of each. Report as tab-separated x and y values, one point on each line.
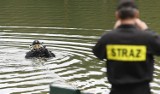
129	53
42	52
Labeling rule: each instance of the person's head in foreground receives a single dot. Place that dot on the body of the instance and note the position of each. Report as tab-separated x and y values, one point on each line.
127	10
128	13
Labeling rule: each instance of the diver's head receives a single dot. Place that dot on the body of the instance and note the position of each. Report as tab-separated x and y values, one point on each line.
127	10
36	44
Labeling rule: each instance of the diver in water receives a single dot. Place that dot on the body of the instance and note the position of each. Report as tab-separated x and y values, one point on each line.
38	50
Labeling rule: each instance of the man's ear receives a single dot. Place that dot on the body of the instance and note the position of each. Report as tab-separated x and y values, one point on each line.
117	15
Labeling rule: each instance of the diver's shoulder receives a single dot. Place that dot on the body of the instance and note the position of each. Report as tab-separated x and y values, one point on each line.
28	54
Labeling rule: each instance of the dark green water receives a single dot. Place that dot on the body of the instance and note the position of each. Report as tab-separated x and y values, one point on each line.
69	28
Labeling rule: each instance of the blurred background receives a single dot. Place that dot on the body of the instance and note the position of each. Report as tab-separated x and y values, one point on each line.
69	28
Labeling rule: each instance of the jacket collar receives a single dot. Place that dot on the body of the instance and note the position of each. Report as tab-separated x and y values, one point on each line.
127	26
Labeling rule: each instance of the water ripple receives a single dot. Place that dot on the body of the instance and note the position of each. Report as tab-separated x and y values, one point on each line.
74	63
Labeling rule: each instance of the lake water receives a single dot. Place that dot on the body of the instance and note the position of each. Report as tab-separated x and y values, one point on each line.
69	28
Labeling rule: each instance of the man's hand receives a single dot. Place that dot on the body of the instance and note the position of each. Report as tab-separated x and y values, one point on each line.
118	23
139	23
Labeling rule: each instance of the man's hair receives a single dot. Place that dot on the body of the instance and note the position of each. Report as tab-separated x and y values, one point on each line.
126	9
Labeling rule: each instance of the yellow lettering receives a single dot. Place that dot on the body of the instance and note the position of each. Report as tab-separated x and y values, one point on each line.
126	52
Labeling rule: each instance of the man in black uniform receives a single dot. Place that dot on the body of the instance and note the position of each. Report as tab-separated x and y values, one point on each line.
38	50
129	50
